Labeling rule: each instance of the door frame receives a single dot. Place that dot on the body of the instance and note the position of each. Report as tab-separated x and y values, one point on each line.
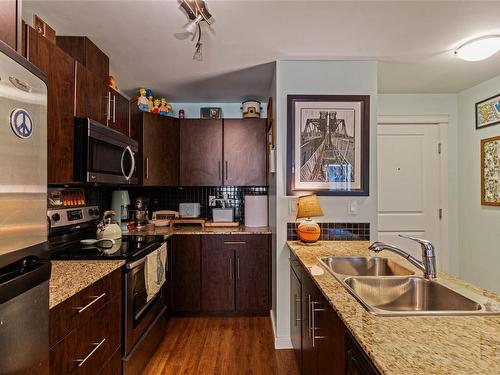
442	122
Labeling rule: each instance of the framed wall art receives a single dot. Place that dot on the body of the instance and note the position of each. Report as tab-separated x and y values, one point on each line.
490	171
488	112
328	144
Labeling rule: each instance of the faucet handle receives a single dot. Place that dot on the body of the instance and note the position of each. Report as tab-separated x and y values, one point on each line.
419	240
427	246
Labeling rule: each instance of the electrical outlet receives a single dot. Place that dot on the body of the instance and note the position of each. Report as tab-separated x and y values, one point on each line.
211	200
292	206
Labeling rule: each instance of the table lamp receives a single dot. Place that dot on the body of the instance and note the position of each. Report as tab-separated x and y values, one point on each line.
307	207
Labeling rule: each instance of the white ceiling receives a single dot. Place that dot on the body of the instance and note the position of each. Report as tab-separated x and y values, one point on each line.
412	40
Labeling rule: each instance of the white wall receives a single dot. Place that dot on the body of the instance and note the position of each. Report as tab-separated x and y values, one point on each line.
479	233
318	77
271	181
434	104
229	110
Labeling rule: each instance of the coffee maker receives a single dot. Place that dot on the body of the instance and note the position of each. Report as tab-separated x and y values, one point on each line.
141	212
120	201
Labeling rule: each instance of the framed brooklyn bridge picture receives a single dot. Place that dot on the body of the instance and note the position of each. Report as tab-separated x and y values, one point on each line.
328	144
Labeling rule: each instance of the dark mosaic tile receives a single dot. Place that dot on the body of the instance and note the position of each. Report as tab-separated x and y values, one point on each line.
168	198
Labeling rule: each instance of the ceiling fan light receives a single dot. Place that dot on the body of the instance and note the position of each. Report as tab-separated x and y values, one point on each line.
198	53
192	25
479	49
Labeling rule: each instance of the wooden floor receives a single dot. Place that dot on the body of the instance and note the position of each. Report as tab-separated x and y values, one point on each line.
235	345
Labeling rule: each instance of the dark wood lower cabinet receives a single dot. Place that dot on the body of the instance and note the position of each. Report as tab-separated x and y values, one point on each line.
185	273
253	270
229	274
218	279
86	330
321	341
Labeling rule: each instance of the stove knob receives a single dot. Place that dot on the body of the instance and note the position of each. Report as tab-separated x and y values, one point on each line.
91	211
96	212
56	217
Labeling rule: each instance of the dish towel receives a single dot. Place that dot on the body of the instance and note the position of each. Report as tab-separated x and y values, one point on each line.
154	270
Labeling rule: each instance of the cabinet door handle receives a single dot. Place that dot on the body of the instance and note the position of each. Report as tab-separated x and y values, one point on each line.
314	310
147	168
229	269
114	109
234	243
297	308
96	298
97	345
108	112
227	170
238	268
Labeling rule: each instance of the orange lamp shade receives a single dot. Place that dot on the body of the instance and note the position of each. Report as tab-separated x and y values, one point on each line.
308	231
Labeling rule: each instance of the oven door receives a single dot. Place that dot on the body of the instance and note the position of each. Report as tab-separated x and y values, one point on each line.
105	155
139	313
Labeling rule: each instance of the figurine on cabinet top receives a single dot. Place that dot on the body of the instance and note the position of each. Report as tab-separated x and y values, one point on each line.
142	101
147	103
164	107
156	107
149	95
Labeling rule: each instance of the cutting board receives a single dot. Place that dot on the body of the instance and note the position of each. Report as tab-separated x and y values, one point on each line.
222	224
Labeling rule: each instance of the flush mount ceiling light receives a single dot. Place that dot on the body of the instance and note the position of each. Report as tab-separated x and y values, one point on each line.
197	12
479	49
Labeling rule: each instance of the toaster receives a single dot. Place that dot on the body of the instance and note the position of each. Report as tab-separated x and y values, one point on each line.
189	210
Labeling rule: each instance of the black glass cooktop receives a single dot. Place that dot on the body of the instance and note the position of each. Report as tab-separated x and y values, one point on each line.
129	248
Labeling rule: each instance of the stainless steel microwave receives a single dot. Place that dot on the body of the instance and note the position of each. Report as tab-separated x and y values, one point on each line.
103	155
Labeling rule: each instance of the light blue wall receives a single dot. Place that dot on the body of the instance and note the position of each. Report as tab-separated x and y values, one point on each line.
318	77
434	104
479	230
229	110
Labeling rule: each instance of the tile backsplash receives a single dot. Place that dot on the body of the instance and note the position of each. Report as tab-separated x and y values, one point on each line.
168	198
336	232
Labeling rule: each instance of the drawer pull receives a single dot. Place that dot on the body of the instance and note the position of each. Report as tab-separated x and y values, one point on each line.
235	243
82	309
81	362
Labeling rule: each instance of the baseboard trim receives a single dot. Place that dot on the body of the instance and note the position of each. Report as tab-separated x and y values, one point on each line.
283	342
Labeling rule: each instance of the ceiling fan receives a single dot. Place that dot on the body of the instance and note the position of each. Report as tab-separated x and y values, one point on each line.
197	13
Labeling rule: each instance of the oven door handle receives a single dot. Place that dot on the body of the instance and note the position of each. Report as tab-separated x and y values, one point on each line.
132	168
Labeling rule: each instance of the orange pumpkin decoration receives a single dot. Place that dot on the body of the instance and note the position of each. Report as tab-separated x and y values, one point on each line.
308	231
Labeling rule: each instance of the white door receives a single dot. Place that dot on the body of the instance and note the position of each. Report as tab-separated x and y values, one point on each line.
409	185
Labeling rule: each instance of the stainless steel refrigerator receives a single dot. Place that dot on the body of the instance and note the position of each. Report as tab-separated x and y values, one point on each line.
24	264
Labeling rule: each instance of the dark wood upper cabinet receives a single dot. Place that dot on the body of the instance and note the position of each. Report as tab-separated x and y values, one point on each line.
118	111
218	275
245	157
10	23
253	269
83	50
91	95
201	152
158	138
60	71
185	273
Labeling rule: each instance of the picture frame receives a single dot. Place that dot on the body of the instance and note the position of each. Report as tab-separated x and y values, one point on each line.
488	112
328	144
490	171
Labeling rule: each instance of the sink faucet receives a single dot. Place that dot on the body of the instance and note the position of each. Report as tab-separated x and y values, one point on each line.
428	263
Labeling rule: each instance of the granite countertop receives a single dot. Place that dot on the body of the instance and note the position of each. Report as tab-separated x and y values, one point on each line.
196	229
71	276
409	345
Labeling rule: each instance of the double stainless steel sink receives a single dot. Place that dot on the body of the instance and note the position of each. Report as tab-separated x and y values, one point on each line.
386	288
